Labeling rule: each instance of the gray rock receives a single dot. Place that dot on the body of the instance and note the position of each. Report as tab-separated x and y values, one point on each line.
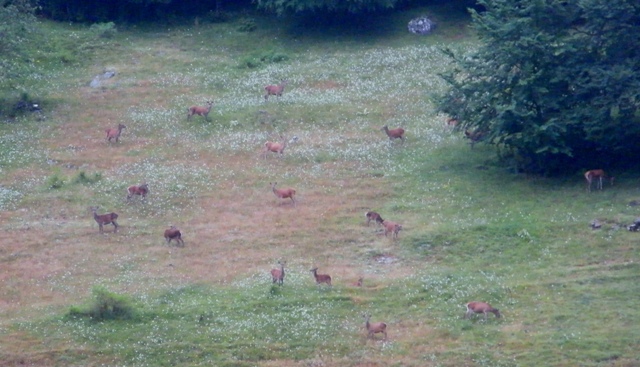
421	25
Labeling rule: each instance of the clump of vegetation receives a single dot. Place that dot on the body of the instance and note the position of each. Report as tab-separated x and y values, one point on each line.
106	306
104	30
256	60
247	25
55	181
83	178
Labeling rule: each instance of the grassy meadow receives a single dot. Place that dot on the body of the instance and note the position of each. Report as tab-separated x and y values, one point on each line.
472	230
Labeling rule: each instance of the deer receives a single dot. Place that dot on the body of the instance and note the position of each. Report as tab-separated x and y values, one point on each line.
321	278
391	227
114	133
173	233
374	328
359	282
284	193
109	218
481	307
274	147
394	133
142	190
474	136
277	275
373	216
199	110
598	174
274	90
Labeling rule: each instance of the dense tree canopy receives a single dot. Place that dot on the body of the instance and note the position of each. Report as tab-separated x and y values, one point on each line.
352	6
556	83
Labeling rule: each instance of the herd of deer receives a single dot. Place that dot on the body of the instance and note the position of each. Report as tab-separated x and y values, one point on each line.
277	277
389	227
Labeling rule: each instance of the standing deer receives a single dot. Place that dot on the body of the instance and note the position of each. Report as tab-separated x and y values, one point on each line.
596	174
173	233
199	110
394	133
284	193
103	219
277	275
374	328
114	133
274	147
321	278
274	90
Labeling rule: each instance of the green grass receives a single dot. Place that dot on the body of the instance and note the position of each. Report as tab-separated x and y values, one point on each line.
473	230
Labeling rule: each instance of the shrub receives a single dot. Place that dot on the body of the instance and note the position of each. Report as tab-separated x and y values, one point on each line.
83	178
247	25
104	30
106	306
55	181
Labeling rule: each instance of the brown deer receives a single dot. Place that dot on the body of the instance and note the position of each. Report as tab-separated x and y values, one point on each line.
391	227
474	136
199	110
275	147
599	175
141	190
394	133
284	193
173	233
114	133
374	328
481	307
321	278
373	216
277	275
103	219
274	90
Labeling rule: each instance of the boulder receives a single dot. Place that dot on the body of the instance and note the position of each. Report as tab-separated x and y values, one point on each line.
421	25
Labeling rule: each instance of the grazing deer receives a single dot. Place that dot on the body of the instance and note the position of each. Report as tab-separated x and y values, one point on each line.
199	110
274	147
274	90
374	328
391	227
321	278
394	133
481	307
277	275
103	219
173	233
114	133
599	175
373	216
284	193
141	190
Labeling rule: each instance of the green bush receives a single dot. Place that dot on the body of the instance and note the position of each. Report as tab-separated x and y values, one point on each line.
247	25
104	30
83	178
55	181
257	59
106	306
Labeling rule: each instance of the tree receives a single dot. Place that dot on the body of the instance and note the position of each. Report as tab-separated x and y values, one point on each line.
297	6
555	84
